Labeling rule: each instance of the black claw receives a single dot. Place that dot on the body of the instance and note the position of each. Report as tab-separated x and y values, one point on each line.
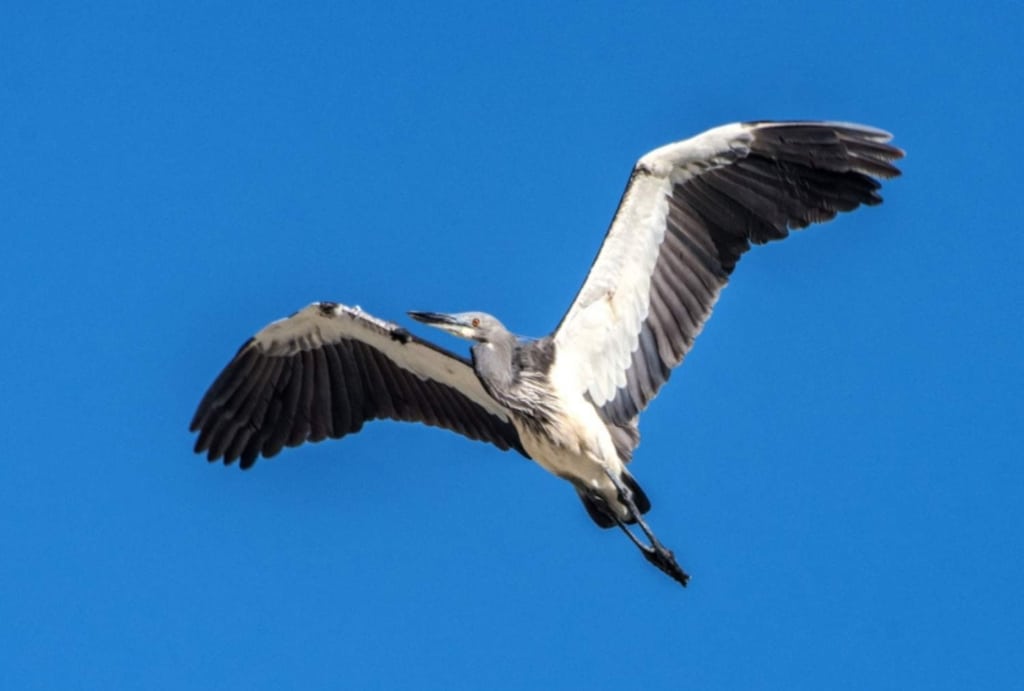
666	561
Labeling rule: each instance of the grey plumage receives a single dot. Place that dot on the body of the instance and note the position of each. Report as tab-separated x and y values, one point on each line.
570	400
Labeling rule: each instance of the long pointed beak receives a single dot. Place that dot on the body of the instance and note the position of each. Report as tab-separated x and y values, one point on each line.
434	318
445	322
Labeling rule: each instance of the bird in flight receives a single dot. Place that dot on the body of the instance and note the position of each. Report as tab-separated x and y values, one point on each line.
571	400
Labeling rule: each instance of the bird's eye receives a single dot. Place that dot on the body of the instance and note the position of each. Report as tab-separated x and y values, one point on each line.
475	322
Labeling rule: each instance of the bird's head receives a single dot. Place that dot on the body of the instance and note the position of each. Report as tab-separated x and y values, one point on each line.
474	326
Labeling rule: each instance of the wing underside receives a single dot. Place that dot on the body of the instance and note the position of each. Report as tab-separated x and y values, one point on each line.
689	212
325	371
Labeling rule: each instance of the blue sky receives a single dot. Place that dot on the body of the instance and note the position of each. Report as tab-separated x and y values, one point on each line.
837	464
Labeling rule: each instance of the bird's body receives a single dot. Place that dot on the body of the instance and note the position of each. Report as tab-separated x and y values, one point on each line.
558	427
574	444
565	434
570	400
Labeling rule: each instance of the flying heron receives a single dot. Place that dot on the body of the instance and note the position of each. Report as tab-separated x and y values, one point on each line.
570	400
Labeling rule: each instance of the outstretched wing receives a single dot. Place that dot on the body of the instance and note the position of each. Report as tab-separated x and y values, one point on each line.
690	210
326	370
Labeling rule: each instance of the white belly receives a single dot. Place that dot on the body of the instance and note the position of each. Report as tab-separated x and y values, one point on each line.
580	449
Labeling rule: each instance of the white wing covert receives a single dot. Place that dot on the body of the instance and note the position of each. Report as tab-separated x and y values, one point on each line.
326	370
689	211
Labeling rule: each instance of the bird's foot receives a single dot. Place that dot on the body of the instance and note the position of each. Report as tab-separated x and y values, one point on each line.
666	561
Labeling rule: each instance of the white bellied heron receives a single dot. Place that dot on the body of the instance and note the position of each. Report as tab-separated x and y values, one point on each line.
569	400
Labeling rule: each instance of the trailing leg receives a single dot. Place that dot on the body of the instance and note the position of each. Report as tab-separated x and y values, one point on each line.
656	553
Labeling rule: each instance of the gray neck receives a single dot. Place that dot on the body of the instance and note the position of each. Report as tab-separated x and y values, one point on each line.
515	374
495	365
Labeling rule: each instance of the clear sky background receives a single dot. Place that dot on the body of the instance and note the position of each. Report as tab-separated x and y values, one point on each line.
837	464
